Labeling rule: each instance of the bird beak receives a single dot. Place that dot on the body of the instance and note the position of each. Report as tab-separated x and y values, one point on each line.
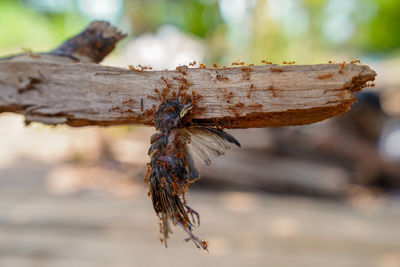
185	110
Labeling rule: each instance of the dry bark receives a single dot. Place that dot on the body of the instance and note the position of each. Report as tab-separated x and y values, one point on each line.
66	87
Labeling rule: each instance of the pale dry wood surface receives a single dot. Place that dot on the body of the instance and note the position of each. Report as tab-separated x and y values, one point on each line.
63	87
244	229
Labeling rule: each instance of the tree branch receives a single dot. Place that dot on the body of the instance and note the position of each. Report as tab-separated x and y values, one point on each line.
63	87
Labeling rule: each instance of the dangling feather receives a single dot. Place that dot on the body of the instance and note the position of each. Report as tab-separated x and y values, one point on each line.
205	142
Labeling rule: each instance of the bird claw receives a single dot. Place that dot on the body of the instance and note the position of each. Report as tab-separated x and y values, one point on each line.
193	212
196	241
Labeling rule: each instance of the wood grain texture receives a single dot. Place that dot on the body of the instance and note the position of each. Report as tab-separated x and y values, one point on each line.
65	86
58	90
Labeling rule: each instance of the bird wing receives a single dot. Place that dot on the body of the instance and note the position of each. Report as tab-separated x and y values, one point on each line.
205	142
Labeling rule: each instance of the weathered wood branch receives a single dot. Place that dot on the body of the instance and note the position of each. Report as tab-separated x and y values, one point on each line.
64	87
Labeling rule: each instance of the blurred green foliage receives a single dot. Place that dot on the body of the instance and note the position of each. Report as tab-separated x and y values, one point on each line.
193	16
382	30
22	27
302	33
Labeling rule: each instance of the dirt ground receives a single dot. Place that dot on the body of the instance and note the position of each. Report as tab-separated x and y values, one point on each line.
91	228
56	214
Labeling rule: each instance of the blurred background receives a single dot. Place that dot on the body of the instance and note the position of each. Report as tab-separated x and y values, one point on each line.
326	194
